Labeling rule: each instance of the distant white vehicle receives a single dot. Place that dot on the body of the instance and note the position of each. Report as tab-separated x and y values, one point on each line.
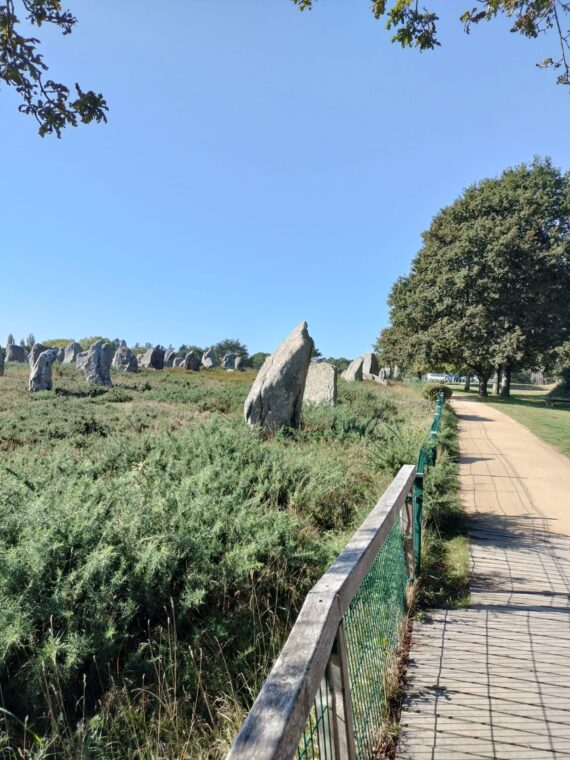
439	378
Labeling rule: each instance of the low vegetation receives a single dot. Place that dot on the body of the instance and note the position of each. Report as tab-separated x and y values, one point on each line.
155	550
445	559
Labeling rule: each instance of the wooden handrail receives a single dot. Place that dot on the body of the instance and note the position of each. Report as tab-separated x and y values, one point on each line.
273	728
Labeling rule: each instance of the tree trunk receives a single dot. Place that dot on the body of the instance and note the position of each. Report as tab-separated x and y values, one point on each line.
467	384
506	383
497	380
483	386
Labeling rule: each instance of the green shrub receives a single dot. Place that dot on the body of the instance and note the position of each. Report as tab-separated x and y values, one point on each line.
432	390
153	554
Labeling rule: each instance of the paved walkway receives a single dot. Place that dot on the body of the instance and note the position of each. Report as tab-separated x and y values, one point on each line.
493	681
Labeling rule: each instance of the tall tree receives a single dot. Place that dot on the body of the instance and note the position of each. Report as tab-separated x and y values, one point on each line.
489	286
230	345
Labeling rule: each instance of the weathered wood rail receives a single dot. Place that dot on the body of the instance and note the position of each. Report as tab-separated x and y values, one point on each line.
311	684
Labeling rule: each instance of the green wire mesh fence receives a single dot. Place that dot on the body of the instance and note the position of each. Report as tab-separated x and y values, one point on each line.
372	627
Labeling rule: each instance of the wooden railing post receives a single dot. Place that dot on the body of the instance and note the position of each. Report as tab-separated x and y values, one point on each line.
343	725
408	535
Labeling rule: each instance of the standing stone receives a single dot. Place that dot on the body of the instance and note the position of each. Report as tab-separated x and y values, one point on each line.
71	351
60	355
1	363
383	377
370	365
153	358
320	387
81	359
239	363
178	362
40	374
169	358
353	373
37	349
229	361
16	353
209	359
124	359
97	366
276	396
396	373
192	361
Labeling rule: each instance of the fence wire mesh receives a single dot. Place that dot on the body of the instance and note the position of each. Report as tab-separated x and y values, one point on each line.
373	626
317	741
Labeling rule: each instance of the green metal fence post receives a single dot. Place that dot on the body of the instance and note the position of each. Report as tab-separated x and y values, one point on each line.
418	500
426	459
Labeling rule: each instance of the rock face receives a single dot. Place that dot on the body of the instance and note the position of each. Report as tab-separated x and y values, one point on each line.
320	387
370	365
97	366
60	355
276	396
40	374
1	363
81	359
229	361
37	349
169	358
16	353
239	363
192	361
353	373
153	358
124	360
209	359
71	351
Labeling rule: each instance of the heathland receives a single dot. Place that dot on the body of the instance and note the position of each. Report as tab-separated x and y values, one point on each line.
154	550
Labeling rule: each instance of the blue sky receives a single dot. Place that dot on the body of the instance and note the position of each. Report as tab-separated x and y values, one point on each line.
260	166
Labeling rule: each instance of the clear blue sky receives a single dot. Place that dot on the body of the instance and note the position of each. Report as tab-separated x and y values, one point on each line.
260	166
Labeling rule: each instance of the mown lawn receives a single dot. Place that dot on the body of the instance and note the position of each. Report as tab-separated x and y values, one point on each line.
154	550
529	408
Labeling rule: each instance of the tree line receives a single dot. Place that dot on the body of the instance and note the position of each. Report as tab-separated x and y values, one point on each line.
488	292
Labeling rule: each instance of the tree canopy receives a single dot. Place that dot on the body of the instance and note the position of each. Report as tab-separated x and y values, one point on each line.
490	285
416	26
55	105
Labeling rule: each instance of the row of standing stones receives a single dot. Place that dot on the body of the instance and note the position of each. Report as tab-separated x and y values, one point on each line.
286	380
97	361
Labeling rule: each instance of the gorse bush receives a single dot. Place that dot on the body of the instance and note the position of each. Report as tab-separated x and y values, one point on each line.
432	390
154	551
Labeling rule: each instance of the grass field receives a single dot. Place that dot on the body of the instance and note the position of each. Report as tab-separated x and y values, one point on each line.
528	407
154	550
